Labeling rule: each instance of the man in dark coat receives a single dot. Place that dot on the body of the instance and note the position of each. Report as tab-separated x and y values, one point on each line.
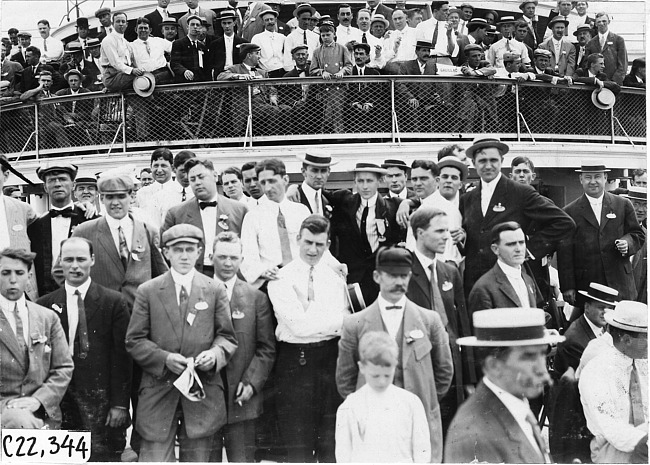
612	47
218	49
94	320
157	16
607	234
190	58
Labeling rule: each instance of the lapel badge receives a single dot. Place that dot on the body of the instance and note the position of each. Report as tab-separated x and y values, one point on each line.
237	314
611	215
135	256
499	208
201	305
381	229
38	338
17	227
222	223
57	308
446	286
413	335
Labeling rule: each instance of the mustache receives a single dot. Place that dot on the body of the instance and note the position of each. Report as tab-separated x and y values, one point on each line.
398	288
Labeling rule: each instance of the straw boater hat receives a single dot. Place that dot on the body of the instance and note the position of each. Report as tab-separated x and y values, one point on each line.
318	158
603	99
379	18
592	168
637	193
556	20
629	316
486	141
144	85
93	42
523	4
582	28
368	168
506	20
601	293
510	327
302	8
395	164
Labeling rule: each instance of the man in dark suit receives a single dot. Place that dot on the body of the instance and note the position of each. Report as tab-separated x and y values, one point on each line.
94	321
224	51
397	173
511	345
180	325
316	165
35	362
89	70
477	29
75	112
189	60
583	35
499	199
506	284
47	232
437	286
612	47
17	54
209	211
425	366
157	16
33	68
250	366
607	235
377	7
536	25
361	223
195	10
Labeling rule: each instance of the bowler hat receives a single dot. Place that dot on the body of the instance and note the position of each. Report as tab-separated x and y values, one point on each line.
82	22
182	233
592	168
582	28
394	260
637	193
54	166
601	293
316	157
556	20
144	85
542	52
510	327
102	11
603	99
629	316
368	168
396	164
484	142
302	8
454	162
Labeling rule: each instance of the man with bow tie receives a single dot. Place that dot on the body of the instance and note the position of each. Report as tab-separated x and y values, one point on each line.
425	366
47	232
189	56
94	320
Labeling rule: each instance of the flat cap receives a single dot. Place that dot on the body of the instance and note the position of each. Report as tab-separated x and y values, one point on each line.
472	47
112	182
299	47
365	47
542	52
102	11
55	166
74	72
245	49
182	233
12	30
511	57
394	260
24	34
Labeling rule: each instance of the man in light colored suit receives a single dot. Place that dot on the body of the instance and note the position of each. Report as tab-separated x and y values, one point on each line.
250	366
195	10
612	47
563	52
180	321
209	211
425	365
496	425
506	284
35	362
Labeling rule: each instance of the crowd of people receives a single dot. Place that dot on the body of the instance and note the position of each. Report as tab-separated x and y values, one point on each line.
200	46
301	323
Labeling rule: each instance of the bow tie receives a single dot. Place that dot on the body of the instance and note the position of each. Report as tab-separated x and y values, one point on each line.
394	307
204	205
66	213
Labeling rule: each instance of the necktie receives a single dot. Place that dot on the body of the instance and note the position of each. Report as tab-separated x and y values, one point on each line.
434	40
364	232
538	437
204	205
317	203
66	212
636	403
450	42
285	245
165	14
124	248
183	300
364	40
310	285
146	44
45	45
394	307
82	329
602	43
508	48
19	330
438	304
183	195
304	37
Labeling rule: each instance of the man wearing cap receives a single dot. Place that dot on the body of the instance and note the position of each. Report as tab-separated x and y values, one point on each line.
544	72
400	45
475	102
363	97
378	27
18	53
496	424
195	10
83	34
94	321
535	31
397	173
583	35
562	11
180	321
105	24
209	211
607	235
224	51
76	114
437	32
88	67
639	198
169	29
507	44
189	60
563	58
614	389
612	47
316	166
31	73
301	36
477	28
425	365
150	53
271	45
498	199
157	16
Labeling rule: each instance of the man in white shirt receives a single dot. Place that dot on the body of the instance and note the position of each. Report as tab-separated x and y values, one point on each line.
309	302
116	60
51	48
271	44
162	161
496	424
177	192
302	35
507	44
376	55
438	32
344	31
400	43
149	52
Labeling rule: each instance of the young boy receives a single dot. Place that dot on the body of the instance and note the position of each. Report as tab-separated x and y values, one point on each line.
381	422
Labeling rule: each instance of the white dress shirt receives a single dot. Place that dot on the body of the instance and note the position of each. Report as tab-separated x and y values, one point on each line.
406	49
517	281
153	57
54	48
487	191
498	49
228	43
371	220
230	285
127	228
272	53
73	310
163	12
596	205
146	193
116	52
297	37
209	219
182	280
425	30
346	34
402	195
313	197
8	310
59	229
426	263
170	196
300	321
5	241
392	318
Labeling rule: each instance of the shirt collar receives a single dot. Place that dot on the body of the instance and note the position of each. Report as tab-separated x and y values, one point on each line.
383	303
595	329
70	205
556	42
371	202
83	289
309	191
183	279
595	201
424	260
492	184
114	223
9	304
230	284
510	271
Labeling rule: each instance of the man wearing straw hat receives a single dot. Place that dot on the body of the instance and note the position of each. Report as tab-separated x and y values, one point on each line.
496	424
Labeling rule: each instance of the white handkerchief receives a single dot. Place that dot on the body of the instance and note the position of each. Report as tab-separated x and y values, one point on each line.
189	383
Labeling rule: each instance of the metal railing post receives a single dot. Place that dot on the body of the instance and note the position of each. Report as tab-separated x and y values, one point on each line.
37	138
517	108
123	102
611	124
249	120
392	110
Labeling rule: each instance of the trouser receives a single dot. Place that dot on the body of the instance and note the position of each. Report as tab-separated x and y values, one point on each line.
239	440
116	81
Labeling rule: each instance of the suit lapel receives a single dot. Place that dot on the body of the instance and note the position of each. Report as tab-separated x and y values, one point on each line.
505	286
193	214
420	278
105	241
169	302
500	191
303	198
587	212
10	341
138	240
606	210
91	302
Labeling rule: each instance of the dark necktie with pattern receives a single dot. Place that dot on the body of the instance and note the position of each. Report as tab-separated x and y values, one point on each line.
82	346
124	248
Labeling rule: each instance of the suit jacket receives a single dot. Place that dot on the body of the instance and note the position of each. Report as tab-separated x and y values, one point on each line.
631	81
567	62
18	58
40	235
253	360
90	72
19	216
158	328
190	213
520	203
426	362
204	13
583	62
154	23
458	324
108	270
540	29
240	94
640	270
419	90
326	208
569	352
105	374
83	108
185	57
582	75
218	54
46	375
493	290
363	93
484	430
28	80
615	56
589	254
